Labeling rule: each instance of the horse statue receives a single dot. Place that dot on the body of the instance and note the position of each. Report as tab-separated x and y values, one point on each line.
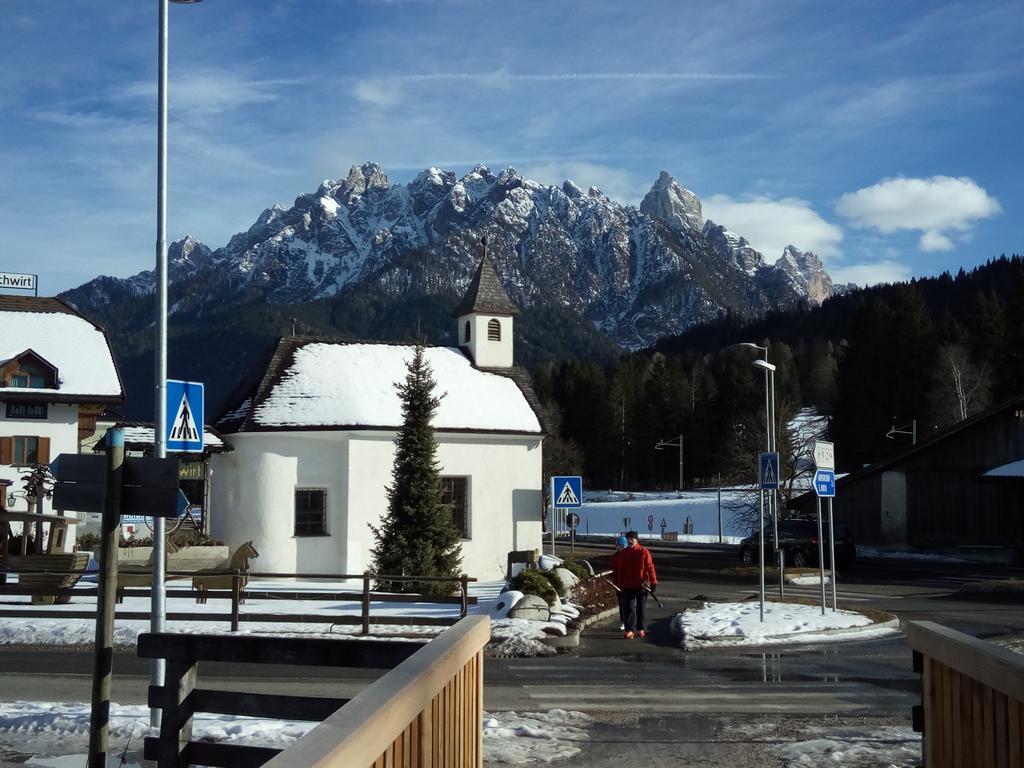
223	578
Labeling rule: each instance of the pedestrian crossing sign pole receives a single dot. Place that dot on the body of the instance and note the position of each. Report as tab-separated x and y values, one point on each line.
566	493
183	430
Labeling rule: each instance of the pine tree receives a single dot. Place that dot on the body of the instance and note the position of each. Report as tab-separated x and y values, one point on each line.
417	536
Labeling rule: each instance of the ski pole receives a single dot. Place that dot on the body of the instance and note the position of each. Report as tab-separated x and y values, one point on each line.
651	593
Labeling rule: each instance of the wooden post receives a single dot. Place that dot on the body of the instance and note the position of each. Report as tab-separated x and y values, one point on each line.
175	704
366	603
465	595
99	720
236	598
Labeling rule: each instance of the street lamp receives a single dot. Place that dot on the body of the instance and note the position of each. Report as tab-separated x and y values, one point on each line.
668	443
158	601
906	429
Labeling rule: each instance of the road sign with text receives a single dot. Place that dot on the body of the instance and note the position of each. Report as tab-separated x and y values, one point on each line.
825	483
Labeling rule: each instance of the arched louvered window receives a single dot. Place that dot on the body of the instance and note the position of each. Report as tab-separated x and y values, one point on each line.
493	330
465	340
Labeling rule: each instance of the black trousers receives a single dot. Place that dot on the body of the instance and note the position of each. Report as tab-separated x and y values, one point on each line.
634	601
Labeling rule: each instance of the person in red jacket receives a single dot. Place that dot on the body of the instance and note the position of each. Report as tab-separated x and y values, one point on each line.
633	573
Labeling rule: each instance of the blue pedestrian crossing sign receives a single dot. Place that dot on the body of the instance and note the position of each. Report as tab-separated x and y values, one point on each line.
768	471
825	482
183	429
567	491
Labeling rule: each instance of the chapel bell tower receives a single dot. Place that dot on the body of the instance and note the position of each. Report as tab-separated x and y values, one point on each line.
485	318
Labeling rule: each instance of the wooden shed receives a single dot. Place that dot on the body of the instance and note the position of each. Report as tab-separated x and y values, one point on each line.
936	494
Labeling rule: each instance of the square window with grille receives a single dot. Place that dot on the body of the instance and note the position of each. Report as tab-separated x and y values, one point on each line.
310	512
455	496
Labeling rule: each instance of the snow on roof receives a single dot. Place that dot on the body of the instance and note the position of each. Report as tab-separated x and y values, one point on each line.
354	385
76	347
144	435
1013	469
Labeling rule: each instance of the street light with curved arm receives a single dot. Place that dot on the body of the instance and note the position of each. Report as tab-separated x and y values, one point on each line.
668	443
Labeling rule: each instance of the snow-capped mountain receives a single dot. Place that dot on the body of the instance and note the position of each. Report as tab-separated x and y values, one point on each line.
636	274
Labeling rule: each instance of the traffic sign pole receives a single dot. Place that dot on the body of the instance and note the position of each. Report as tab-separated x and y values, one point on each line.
103	657
821	559
762	555
832	550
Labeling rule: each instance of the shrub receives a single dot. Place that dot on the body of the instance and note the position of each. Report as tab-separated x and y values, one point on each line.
87	541
577	569
531	581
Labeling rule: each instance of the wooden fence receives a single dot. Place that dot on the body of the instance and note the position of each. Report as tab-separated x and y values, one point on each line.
427	711
972	711
240	592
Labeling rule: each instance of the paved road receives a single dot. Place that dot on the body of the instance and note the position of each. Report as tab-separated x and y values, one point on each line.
649	699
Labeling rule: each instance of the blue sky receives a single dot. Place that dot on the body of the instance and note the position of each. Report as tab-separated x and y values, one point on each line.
885	136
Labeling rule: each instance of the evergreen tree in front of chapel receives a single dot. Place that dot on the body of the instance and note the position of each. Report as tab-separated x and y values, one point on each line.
417	536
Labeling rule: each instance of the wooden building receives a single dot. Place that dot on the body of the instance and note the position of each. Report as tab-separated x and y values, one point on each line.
942	493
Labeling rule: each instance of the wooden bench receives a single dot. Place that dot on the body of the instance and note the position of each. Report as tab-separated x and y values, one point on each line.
48	573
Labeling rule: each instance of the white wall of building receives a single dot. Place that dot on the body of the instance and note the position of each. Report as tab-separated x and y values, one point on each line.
485	353
61	427
253	492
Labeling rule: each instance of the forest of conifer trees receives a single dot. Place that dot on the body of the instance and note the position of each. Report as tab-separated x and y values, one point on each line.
930	352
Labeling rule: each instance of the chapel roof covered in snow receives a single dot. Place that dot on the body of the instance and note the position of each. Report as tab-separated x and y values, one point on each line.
314	383
52	333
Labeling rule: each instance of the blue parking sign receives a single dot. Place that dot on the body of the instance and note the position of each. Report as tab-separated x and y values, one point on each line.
183	430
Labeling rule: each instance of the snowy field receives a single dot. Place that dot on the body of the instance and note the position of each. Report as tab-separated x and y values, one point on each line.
610	513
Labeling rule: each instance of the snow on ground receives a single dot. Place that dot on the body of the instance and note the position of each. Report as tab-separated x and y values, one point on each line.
60	731
740	624
843	746
53	632
903	554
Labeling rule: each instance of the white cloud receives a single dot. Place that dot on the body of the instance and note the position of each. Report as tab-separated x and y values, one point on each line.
871	273
210	92
931	240
376	92
618	184
934	206
770	225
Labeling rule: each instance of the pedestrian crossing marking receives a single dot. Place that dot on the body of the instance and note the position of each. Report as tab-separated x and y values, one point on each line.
567	497
184	424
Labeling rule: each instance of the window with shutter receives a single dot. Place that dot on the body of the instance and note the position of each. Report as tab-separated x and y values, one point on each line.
466	339
44	451
6	450
493	330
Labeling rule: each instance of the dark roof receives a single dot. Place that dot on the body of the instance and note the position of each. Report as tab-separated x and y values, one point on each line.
936	437
485	294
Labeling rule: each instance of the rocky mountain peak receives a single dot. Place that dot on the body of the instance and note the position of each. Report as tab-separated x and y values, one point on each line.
361	178
807	270
676	206
732	247
571	190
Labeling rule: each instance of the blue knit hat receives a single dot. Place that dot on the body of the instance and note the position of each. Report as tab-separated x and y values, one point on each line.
621	541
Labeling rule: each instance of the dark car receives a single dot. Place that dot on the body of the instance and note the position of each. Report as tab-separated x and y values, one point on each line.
799	540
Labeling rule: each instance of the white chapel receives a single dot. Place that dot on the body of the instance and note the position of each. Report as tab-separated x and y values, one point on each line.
313	438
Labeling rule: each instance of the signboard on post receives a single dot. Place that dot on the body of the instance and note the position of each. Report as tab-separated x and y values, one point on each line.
567	491
825	483
572	520
184	428
149	486
824	455
768	471
19	281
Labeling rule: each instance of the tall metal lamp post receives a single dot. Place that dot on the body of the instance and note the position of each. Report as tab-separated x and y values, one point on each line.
158	602
769	412
669	443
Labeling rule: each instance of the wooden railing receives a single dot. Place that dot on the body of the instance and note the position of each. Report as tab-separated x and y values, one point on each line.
240	592
427	711
972	711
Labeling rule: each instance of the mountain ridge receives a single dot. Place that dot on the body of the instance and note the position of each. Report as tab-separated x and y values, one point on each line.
636	273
